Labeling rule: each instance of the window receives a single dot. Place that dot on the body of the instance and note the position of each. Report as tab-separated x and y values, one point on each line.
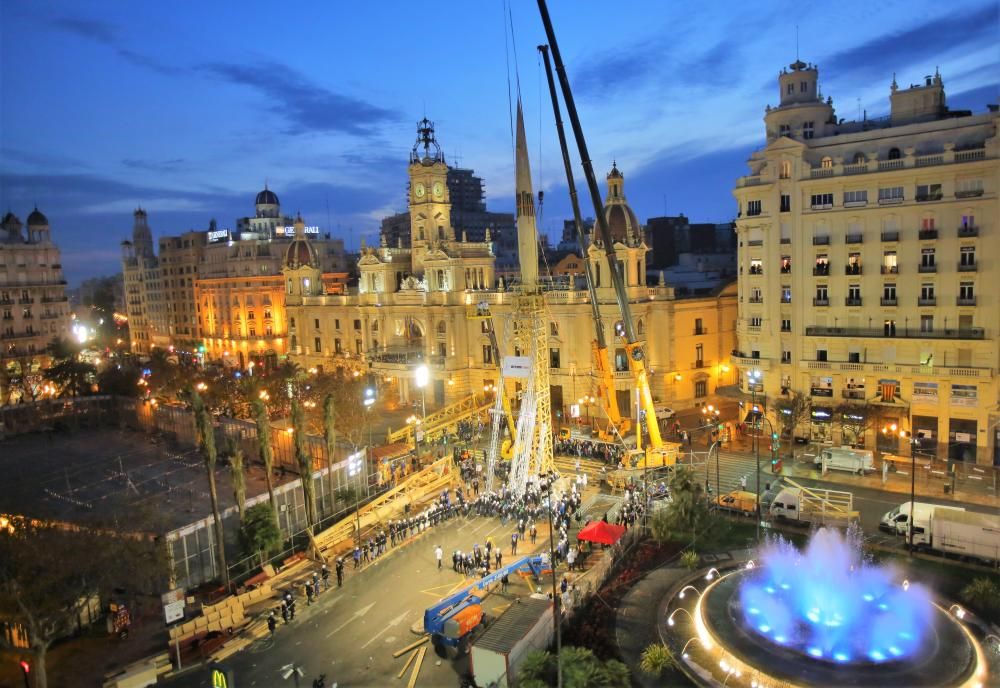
553	329
756	266
889	328
786	265
927	258
698	327
927	223
487	354
854	263
337	346
756	296
786	356
268	330
963	395
267	314
855	198
756	321
822	295
803	86
820	201
968	221
928	391
968	187
786	325
807	130
790	89
785	130
820	354
854	294
701	388
928	192
357	324
699	354
822	265
291	323
753	208
317	346
316	323
554	358
927	291
785	172
894	154
358	349
826	163
889	265
967	256
926	323
888	292
336	323
892	194
786	294
786	203
966	291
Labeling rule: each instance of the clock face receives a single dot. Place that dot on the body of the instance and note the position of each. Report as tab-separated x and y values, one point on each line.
438	189
418	190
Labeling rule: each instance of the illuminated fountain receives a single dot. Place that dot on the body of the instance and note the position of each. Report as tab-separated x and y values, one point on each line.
824	616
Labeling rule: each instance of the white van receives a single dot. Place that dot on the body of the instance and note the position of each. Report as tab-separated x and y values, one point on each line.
663	412
858	461
895	520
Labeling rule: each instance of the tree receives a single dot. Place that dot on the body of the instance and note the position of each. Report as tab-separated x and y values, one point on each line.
581	669
855	420
206	433
687	511
239	477
304	461
790	412
330	435
266	452
982	595
260	532
70	375
50	573
656	658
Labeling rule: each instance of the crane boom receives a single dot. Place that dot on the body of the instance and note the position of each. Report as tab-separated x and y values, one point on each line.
633	346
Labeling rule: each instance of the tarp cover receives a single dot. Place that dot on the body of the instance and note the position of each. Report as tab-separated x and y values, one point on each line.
599	531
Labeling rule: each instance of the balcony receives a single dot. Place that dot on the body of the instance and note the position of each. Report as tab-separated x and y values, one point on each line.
786	299
786	240
747	362
967	267
700	331
855	238
821	302
754	270
904	333
756	299
890	236
888	302
399	356
698	364
858	394
968	231
821	270
966	301
927	268
970	193
852	269
25	299
755	242
926	301
892	200
821	241
890	269
928	234
852	302
923	198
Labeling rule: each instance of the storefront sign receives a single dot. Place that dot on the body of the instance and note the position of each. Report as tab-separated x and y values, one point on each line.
218	235
517	366
290	231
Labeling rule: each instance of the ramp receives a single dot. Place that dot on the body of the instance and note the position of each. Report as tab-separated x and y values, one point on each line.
440	422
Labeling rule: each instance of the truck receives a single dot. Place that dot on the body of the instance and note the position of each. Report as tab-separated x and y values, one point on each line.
966	534
738	500
819	506
896	520
453	620
858	461
497	654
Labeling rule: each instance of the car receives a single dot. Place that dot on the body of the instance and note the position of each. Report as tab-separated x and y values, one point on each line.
738	500
663	412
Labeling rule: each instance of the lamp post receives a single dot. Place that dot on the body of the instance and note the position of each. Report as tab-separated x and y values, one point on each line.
556	600
421	376
899	432
355	464
753	378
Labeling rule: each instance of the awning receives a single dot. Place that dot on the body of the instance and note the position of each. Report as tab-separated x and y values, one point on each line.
599	531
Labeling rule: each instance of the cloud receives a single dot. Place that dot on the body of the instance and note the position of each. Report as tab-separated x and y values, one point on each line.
974	99
307	106
107	34
32	158
922	44
155	165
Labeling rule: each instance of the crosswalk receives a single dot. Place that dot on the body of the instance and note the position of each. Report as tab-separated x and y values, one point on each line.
724	475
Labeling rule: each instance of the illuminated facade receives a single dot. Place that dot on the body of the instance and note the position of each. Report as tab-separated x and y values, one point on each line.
867	266
411	306
33	299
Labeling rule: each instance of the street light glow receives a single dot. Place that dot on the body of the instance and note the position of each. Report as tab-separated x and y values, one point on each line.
421	376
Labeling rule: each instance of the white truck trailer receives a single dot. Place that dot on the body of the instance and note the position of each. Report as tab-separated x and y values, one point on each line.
960	533
818	506
858	461
497	654
896	520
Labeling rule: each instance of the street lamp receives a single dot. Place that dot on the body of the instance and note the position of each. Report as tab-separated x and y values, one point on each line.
355	465
421	376
899	432
753	379
586	401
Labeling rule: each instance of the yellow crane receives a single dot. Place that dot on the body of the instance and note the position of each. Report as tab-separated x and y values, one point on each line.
482	313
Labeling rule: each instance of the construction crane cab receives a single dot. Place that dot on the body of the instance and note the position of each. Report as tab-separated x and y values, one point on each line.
452	621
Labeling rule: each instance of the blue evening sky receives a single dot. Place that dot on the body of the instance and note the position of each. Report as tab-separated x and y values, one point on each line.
186	108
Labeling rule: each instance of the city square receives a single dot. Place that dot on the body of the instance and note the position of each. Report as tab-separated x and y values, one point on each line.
450	403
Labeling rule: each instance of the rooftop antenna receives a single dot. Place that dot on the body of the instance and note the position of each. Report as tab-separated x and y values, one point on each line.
796	42
328	214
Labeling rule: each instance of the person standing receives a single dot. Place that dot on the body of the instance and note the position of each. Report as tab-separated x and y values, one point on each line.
272	622
326	577
499	557
513	544
438	554
340	572
533	532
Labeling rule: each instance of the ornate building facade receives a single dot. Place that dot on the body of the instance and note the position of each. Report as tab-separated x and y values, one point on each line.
867	266
412	306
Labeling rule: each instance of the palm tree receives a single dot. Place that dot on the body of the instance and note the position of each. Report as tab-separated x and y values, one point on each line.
266	453
330	434
239	477
206	431
304	461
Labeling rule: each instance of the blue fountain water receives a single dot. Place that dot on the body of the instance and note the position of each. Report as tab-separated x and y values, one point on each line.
829	604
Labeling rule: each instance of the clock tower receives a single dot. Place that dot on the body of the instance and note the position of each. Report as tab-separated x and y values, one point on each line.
430	201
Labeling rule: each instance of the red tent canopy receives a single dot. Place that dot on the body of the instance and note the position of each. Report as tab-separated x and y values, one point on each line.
599	531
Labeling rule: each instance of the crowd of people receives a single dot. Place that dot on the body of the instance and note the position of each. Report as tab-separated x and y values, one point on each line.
607	452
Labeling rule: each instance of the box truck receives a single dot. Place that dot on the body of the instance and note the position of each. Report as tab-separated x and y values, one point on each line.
858	461
896	520
498	653
966	534
813	505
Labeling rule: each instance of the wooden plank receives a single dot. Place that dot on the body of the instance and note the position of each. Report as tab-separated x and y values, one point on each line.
412	645
406	666
416	667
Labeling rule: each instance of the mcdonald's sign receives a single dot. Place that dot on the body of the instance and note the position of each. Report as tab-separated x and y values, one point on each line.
221	678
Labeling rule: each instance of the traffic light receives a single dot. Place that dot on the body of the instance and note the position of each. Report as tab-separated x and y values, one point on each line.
25	670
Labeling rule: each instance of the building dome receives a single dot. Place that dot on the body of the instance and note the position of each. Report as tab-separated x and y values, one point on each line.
615	173
621	219
300	253
10	218
37	218
267	197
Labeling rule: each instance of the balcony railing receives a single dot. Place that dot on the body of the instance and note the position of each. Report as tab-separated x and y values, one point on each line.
852	269
927	268
821	241
852	393
821	270
755	242
967	267
970	193
756	299
888	302
899	332
928	234
700	330
968	231
966	301
926	301
921	198
890	236
890	269
855	238
821	302
698	364
852	302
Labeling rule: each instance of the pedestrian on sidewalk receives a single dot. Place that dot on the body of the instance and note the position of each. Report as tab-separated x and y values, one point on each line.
315	584
326	577
309	593
513	544
499	557
340	572
533	533
357	557
285	613
504	582
272	622
438	554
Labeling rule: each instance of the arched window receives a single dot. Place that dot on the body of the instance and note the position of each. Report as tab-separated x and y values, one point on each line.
786	169
826	162
374	325
442	327
894	154
640	327
859	158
